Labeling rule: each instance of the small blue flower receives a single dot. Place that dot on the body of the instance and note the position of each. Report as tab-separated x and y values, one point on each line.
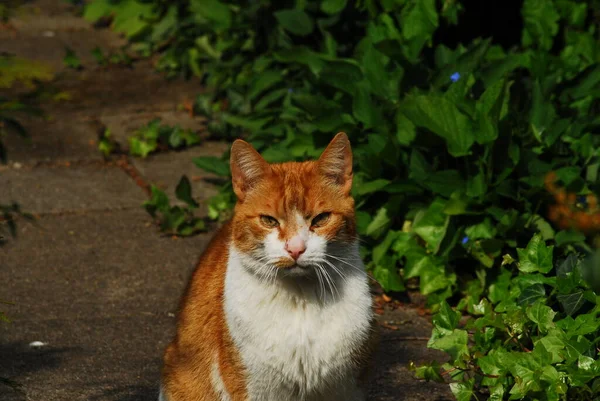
582	199
290	90
465	240
455	77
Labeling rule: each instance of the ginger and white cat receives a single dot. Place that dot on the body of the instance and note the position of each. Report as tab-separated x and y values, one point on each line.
279	307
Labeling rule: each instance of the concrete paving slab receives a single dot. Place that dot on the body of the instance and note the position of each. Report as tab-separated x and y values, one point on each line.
405	322
52	49
42	29
42	15
116	90
102	264
392	380
165	170
85	358
63	189
62	138
99	289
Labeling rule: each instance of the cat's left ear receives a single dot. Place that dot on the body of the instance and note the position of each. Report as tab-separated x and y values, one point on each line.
336	162
247	167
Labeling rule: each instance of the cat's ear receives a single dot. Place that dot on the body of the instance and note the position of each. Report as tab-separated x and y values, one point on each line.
247	167
336	162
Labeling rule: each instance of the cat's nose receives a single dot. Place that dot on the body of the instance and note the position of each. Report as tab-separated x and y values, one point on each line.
295	247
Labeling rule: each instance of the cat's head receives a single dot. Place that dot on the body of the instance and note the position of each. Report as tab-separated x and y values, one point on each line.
297	215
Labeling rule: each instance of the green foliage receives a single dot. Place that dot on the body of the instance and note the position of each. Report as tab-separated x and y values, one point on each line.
435	148
71	59
177	220
513	346
13	71
156	135
106	145
451	147
8	216
119	57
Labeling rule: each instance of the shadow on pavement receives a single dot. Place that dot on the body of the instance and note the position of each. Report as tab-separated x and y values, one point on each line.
18	360
126	393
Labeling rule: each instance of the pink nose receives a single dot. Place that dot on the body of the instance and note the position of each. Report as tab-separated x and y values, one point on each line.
295	247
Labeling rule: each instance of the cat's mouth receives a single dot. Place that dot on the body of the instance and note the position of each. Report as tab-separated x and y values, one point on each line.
288	264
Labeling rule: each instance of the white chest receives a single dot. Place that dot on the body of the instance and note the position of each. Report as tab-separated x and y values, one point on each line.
293	347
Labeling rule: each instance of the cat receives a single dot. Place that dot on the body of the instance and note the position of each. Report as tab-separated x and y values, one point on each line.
279	307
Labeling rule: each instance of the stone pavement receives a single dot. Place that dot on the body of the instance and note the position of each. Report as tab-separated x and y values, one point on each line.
92	278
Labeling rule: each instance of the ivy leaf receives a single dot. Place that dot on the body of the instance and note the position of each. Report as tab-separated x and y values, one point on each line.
446	320
454	344
497	392
418	20
554	344
139	147
541	23
213	165
344	74
429	372
98	9
363	107
433	224
476	186
445	182
537	257
484	230
333	6
542	113
532	294
405	129
214	11
542	315
302	55
568	237
443	118
489	108
434	278
571	303
132	18
463	391
183	191
372	186
263	81
499	289
581	325
388	277
295	21
381	249
379	224
568	174
159	201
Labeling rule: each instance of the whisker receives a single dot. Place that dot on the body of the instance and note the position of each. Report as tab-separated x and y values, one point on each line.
331	281
338	271
321	284
344	261
325	277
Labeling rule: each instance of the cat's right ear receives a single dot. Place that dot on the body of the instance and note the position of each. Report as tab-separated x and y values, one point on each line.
247	167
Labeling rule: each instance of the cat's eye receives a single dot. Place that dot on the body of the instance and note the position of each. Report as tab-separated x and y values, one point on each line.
320	220
268	221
